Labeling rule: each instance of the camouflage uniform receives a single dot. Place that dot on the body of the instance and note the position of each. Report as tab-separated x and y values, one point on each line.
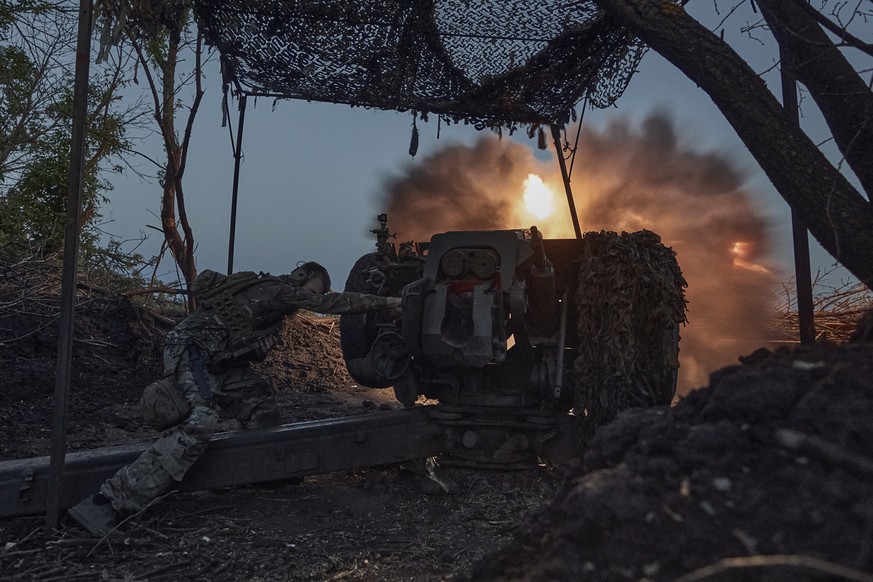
217	384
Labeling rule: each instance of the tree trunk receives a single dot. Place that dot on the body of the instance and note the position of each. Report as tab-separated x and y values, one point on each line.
845	100
181	247
837	215
178	246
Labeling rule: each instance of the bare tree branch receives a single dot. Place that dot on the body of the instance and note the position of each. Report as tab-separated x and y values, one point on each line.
839	31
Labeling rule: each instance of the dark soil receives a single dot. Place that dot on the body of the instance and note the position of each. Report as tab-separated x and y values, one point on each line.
766	474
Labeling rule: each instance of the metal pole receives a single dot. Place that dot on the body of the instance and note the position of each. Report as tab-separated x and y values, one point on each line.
68	279
556	137
237	156
802	273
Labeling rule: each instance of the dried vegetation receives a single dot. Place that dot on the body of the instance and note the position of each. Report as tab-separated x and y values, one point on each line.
837	307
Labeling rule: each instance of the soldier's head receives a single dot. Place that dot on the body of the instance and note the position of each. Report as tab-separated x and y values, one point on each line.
311	276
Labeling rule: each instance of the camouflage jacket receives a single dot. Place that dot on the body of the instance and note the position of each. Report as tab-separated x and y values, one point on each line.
265	304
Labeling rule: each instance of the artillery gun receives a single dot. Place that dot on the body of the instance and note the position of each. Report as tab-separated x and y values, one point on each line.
509	334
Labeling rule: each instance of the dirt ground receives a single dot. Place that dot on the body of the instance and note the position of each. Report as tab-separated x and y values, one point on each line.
765	474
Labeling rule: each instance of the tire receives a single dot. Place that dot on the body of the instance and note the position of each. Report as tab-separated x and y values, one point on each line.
630	303
358	332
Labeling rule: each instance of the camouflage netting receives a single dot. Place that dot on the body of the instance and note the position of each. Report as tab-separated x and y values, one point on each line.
630	302
493	63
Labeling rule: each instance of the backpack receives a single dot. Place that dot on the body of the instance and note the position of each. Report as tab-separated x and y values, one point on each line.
211	286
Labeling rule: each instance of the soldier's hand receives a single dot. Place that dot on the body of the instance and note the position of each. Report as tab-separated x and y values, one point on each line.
394	302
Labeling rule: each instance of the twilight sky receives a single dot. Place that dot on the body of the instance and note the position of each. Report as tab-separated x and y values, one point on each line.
314	174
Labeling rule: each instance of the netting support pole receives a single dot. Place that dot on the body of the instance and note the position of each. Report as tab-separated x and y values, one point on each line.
556	137
237	157
75	182
802	272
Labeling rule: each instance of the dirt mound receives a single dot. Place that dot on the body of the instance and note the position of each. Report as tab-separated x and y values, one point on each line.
308	358
770	465
110	335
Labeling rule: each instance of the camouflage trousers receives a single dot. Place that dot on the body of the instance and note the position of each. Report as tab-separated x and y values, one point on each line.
237	392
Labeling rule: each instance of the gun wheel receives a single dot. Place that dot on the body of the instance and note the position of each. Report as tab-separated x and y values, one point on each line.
358	332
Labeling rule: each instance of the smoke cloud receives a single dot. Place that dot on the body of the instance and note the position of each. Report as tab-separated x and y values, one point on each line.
624	179
460	188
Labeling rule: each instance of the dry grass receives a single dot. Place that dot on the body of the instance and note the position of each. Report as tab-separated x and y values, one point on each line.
836	306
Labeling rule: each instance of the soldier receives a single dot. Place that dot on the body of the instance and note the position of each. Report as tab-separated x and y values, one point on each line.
207	368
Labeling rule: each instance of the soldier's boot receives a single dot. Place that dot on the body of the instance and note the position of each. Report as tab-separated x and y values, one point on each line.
95	514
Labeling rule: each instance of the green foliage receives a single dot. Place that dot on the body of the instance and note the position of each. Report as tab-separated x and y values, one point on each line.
16	70
157	25
32	215
154	19
33	211
35	132
16	73
11	9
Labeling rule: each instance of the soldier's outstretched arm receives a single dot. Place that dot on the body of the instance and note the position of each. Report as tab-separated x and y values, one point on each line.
349	303
334	303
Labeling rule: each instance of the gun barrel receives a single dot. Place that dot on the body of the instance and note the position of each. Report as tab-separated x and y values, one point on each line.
541	261
541	286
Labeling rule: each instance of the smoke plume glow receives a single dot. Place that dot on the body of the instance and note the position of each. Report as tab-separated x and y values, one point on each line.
624	179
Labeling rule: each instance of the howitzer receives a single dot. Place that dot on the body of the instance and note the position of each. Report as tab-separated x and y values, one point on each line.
507	332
